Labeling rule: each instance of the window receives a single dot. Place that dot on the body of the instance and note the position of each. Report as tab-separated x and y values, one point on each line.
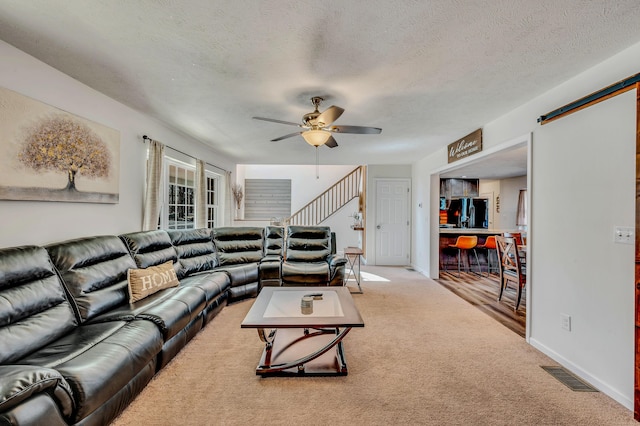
213	195
267	198
179	209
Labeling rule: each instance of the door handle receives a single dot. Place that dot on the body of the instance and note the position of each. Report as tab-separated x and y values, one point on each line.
378	227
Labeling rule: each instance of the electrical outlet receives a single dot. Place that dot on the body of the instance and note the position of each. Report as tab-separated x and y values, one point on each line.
566	322
624	235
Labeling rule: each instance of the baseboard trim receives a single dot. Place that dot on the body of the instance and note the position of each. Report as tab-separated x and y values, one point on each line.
419	270
603	387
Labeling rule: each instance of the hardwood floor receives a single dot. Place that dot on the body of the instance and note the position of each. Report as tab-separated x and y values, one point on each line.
482	292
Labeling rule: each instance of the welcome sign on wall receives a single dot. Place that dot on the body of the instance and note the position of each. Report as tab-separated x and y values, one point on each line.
462	148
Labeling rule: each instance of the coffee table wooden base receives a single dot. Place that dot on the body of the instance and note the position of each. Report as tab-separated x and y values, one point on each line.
303	352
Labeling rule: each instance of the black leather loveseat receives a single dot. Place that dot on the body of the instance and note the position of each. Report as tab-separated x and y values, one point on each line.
74	349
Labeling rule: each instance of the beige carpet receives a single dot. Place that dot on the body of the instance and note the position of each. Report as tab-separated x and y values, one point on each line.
424	357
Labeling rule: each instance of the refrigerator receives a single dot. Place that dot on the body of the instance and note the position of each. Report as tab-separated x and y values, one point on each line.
468	212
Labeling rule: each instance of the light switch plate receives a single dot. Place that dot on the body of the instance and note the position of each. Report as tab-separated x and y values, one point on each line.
565	322
624	235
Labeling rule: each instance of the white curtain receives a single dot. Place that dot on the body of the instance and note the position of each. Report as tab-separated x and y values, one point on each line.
229	202
201	195
153	192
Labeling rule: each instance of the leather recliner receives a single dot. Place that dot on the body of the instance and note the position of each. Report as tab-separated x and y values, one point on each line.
309	260
239	251
198	261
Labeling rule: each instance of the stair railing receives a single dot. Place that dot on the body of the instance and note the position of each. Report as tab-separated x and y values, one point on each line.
330	201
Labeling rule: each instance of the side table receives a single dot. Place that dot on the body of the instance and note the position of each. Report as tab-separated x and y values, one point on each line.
353	255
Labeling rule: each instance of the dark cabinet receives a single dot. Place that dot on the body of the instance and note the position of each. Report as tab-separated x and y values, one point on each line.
454	188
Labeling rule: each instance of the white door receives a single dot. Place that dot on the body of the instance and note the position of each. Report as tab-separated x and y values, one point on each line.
392	221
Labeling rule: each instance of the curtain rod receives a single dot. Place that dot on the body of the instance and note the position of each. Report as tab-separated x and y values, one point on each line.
145	137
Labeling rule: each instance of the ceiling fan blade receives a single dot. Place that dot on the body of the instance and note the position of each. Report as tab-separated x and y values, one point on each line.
277	121
330	115
290	135
362	130
331	142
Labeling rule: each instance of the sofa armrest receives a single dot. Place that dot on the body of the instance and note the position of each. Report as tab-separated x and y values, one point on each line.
18	383
271	258
270	273
337	265
336	261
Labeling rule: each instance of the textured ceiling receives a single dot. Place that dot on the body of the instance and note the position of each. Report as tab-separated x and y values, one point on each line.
426	72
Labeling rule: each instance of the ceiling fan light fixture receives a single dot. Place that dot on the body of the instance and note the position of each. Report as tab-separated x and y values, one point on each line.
316	137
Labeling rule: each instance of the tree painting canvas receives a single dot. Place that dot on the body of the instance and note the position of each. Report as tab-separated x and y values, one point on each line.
51	155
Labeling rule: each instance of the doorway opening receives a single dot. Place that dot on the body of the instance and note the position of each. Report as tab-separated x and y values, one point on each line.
502	172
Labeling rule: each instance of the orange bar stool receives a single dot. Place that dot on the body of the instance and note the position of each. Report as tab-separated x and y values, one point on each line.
490	246
466	243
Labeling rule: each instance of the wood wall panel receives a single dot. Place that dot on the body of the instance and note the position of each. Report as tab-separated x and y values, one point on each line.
636	384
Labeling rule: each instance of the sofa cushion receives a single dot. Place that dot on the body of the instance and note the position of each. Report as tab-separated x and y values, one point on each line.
174	309
97	360
34	307
236	245
241	274
144	282
94	270
244	292
195	249
308	273
274	241
150	248
308	243
170	309
213	284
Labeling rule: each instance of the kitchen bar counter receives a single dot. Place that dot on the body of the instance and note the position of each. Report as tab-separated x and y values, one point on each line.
474	231
448	256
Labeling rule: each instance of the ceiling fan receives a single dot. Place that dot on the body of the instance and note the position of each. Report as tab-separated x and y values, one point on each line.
318	129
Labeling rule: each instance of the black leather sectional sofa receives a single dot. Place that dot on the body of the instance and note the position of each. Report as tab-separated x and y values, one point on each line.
73	350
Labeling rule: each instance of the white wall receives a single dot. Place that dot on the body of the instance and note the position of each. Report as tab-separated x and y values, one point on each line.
509	194
28	222
588	187
425	207
491	189
582	184
509	191
304	185
304	188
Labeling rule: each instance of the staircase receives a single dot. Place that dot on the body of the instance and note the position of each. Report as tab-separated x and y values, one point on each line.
331	200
